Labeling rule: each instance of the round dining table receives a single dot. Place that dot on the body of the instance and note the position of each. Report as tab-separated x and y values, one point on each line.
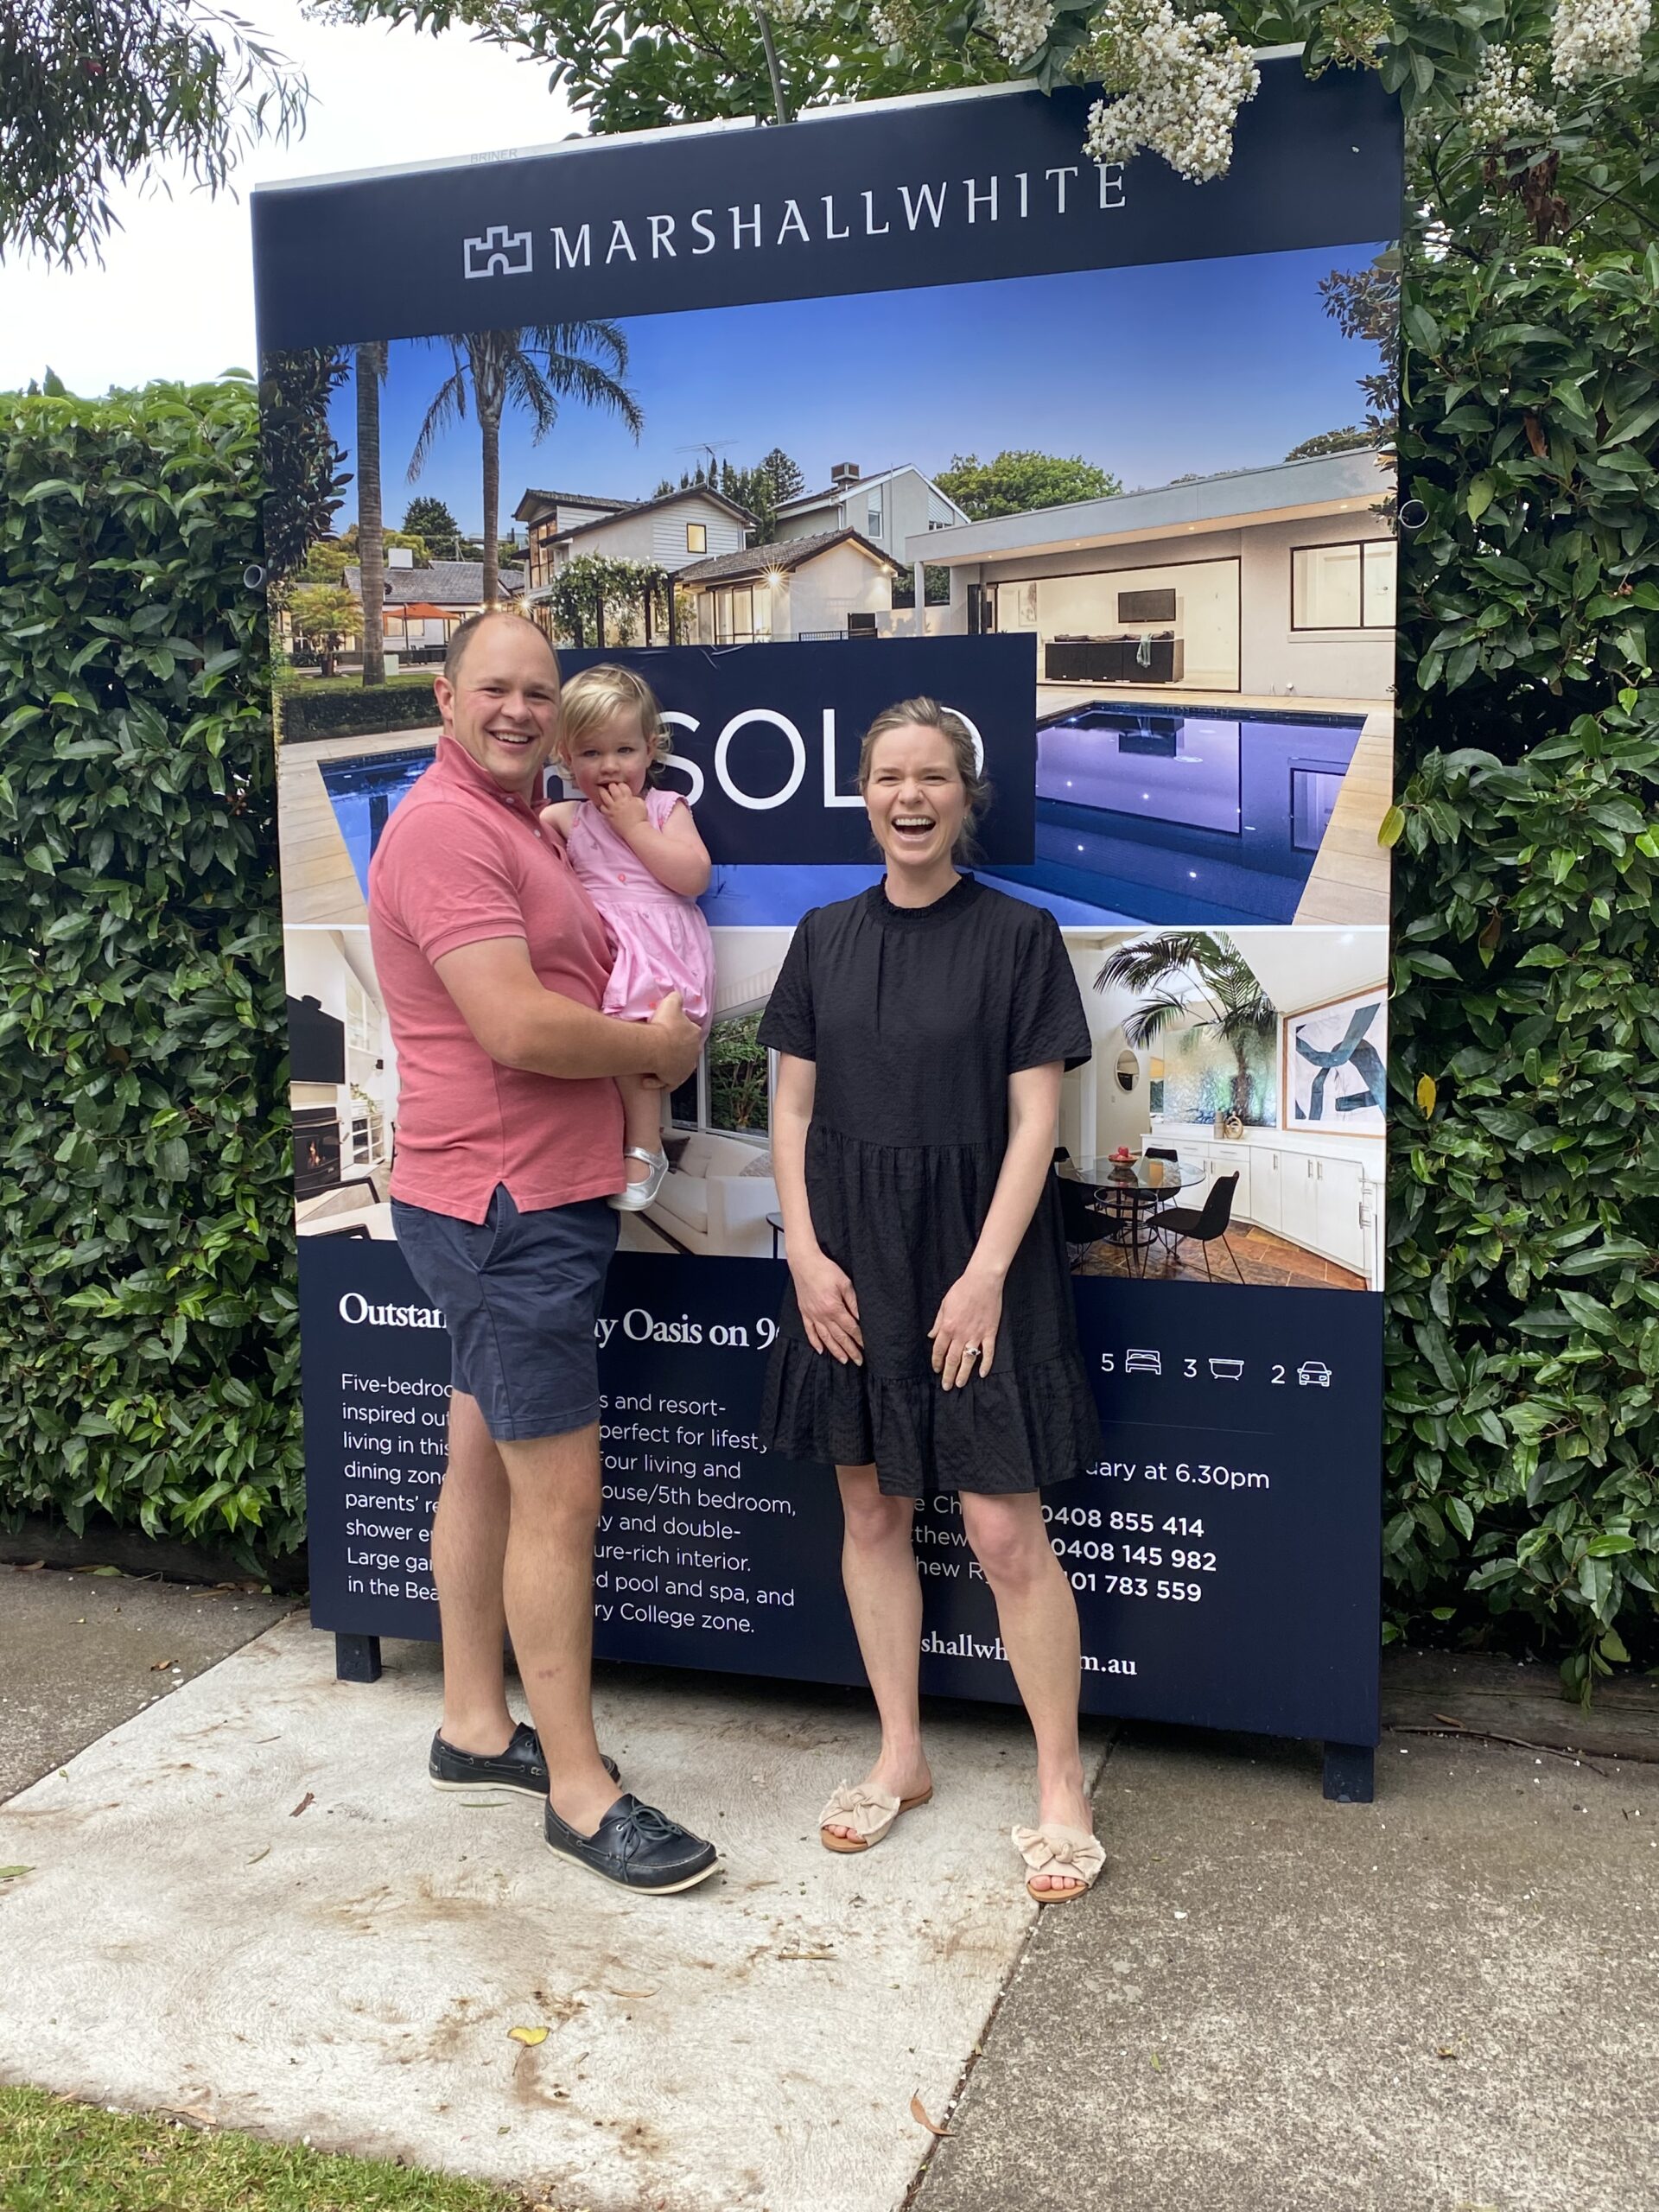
1130	1192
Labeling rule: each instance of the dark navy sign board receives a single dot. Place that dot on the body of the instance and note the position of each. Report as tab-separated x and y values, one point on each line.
1225	1555
943	191
771	734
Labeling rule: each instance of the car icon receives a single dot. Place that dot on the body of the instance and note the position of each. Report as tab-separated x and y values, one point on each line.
1313	1374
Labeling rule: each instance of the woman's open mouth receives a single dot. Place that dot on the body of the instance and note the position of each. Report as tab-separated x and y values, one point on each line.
913	828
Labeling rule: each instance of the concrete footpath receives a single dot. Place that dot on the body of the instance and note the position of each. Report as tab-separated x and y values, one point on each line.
243	1904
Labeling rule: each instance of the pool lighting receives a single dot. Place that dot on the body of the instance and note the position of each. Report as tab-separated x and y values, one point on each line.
1193	873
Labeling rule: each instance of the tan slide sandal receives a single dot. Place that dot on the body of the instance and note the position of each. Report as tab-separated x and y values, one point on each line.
1069	1855
870	1812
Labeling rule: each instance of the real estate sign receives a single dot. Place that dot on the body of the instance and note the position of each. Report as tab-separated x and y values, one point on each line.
907	399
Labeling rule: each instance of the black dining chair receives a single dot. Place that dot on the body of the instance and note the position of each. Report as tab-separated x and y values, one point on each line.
1081	1225
1205	1225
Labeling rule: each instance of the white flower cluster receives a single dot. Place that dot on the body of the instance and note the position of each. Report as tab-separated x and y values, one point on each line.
895	22
1018	27
1597	38
1502	103
1180	82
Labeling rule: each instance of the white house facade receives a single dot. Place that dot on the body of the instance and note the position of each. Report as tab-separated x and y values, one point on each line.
833	584
892	509
670	533
1274	583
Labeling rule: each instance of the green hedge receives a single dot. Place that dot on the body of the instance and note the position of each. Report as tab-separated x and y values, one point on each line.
1524	1202
147	1315
335	709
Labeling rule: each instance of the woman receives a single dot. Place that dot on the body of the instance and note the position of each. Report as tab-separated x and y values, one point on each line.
928	1343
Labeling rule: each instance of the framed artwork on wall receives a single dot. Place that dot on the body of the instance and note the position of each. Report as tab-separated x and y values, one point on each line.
1333	1059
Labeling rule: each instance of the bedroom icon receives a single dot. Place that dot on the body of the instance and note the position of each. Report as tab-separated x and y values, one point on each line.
499	252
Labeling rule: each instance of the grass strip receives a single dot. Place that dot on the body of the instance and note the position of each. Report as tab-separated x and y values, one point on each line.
59	2156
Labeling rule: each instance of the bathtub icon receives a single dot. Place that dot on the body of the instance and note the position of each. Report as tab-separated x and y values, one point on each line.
1227	1370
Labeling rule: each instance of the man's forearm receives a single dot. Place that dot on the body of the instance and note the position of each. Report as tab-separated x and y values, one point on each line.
552	1035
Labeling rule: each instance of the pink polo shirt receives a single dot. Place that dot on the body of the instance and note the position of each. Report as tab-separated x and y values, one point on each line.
461	861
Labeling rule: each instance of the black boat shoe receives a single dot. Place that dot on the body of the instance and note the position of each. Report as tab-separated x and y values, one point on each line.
521	1766
637	1847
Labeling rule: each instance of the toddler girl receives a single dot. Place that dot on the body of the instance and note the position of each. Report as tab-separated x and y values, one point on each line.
638	854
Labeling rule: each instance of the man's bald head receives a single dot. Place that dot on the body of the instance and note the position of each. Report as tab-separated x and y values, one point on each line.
455	650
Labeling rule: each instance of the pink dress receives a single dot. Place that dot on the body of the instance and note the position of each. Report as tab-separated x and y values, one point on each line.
662	940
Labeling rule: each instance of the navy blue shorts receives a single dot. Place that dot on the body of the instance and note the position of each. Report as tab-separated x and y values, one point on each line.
520	1293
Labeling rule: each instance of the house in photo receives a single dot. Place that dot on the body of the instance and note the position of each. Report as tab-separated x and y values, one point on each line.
835	584
1215	666
425	606
1307	1207
672	533
343	1084
1271	583
892	509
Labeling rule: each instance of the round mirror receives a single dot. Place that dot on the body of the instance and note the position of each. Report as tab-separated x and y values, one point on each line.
1128	1070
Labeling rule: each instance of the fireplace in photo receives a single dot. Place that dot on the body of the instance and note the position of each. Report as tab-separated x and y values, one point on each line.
316	1150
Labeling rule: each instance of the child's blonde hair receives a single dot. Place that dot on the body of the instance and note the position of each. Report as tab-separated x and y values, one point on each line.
593	698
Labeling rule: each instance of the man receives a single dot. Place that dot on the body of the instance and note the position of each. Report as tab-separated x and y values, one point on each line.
493	963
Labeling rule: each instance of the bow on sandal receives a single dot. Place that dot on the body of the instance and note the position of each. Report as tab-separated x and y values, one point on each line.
1069	1855
870	1812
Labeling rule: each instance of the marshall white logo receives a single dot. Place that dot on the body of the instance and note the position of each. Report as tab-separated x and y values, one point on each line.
946	204
357	1311
499	252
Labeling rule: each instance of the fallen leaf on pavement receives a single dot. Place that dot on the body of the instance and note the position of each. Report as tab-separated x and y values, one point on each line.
1157	2063
258	1855
1445	2050
631	1992
1446	1720
309	1799
918	2113
98	1570
530	2037
806	1955
160	1665
11	1873
29	1566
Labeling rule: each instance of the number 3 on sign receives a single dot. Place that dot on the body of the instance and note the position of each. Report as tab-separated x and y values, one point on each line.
1191	1369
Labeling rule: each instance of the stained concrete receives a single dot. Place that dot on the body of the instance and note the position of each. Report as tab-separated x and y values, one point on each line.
79	1653
1442	2003
247	1905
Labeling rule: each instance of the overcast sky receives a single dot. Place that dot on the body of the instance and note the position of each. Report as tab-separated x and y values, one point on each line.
175	296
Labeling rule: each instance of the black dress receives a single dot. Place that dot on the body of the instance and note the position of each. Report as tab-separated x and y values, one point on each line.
916	1018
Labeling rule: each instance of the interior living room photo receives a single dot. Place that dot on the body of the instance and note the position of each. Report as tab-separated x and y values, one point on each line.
343	1084
718	1197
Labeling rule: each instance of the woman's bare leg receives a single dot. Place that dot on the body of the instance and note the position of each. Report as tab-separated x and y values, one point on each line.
884	1595
1037	1616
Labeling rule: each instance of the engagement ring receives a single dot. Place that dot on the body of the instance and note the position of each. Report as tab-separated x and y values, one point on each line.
971	1352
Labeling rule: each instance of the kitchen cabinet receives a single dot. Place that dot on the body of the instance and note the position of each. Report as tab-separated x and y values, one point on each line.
1266	1207
1313	1198
1319	1206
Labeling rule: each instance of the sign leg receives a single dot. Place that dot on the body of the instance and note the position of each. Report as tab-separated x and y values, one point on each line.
356	1659
1350	1773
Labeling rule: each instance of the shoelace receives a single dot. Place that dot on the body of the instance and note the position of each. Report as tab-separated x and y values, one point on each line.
644	1824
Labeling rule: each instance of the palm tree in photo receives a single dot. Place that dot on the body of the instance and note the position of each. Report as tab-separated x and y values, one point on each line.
370	365
1186	969
533	369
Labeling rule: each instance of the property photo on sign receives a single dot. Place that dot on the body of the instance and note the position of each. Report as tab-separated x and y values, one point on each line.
764	433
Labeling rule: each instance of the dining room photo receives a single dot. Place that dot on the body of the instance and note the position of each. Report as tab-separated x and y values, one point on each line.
1229	1127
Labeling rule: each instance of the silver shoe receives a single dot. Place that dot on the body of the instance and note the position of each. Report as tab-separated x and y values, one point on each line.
635	1197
